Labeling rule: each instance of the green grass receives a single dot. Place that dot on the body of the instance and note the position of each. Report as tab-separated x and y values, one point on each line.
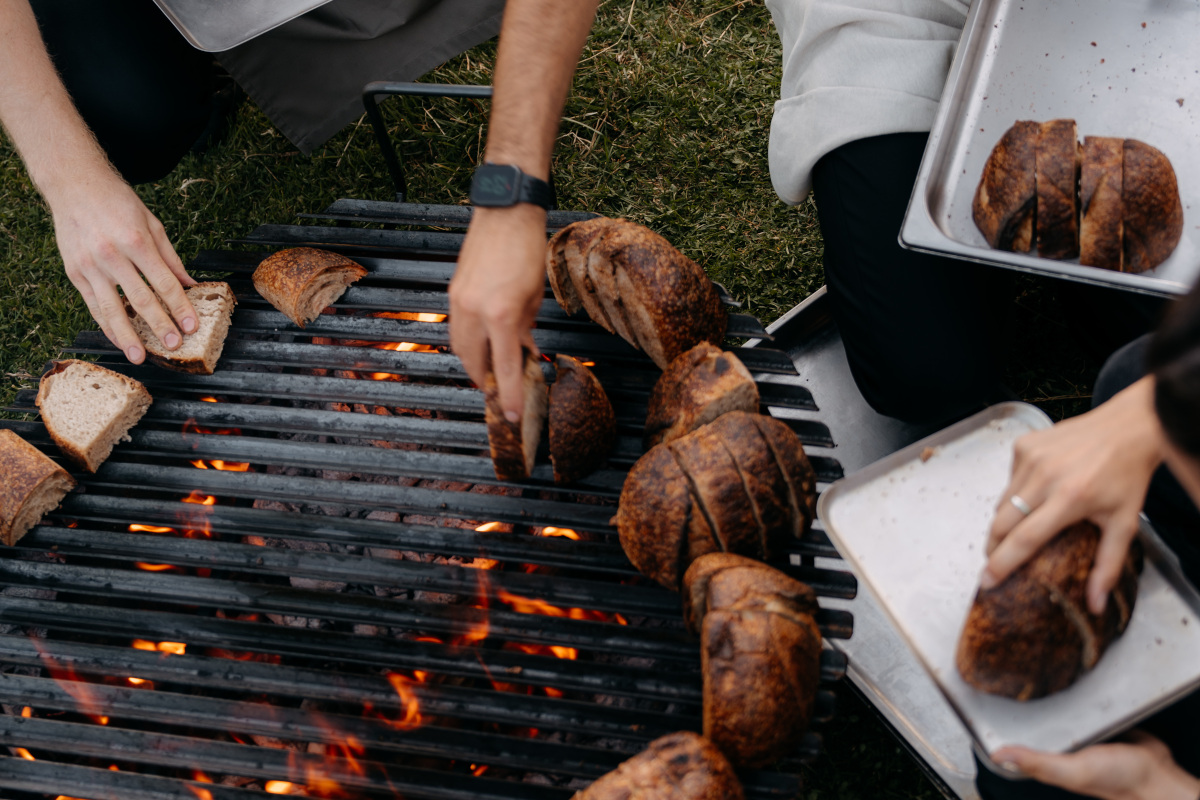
667	125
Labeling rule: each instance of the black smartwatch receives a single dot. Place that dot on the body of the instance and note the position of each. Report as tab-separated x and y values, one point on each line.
501	185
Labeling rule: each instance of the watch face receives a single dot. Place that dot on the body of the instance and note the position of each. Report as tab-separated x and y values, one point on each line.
496	185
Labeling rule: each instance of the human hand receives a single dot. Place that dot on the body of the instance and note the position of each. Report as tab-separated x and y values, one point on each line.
1139	769
497	288
108	238
1093	467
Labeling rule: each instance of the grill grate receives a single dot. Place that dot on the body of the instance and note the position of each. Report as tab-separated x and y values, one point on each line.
334	641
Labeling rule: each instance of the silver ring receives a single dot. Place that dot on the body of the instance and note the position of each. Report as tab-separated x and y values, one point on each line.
1020	505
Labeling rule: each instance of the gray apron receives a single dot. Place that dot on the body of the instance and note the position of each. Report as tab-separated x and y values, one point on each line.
307	76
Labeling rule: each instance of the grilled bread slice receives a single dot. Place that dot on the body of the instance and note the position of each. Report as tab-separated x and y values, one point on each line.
1057	189
678	766
1033	634
302	281
760	655
1005	203
632	282
1151	206
583	428
87	409
32	486
514	444
696	388
1100	224
214	302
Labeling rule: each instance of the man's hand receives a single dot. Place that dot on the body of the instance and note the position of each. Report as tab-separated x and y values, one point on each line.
495	294
1096	467
1140	769
108	238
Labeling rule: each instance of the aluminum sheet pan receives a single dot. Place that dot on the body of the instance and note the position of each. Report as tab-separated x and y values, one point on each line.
1118	67
216	25
914	531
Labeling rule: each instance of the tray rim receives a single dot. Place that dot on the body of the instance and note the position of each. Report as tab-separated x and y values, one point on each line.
169	9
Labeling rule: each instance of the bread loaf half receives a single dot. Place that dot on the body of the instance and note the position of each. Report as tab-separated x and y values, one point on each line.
1152	209
1101	217
696	388
200	350
514	444
1033	634
1057	189
302	281
634	283
760	655
32	486
678	766
87	409
740	484
1005	204
583	428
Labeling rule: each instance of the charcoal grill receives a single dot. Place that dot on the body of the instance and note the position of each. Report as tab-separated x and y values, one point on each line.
497	722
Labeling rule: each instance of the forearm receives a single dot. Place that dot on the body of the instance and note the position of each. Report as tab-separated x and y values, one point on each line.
540	43
54	142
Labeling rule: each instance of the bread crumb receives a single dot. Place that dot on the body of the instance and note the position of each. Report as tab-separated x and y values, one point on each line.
1093	44
928	453
1179	100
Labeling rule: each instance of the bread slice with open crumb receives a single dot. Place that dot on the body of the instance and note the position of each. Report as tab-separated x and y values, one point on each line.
302	281
214	302
514	444
33	485
87	409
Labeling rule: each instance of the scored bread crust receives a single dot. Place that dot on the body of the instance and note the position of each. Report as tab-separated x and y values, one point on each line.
33	485
1005	202
212	329
696	388
514	445
760	655
91	458
678	766
1100	222
1057	189
1033	635
302	281
1152	209
583	427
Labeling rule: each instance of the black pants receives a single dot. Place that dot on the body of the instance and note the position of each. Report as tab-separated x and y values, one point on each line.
144	91
922	333
1177	521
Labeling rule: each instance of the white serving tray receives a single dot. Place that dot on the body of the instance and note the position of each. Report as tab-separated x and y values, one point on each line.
914	530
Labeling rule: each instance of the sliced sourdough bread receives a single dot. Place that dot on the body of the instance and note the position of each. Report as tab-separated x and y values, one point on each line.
514	444
214	302
302	281
696	388
1057	189
32	486
1152	209
1005	203
1100	223
583	428
87	409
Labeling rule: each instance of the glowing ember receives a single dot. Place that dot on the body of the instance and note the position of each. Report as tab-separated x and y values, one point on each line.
209	399
226	466
134	528
201	793
280	787
23	753
153	567
566	533
413	316
26	712
479	769
200	499
137	681
170	648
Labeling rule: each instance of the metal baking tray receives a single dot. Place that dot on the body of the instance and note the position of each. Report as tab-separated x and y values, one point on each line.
914	530
216	25
1117	67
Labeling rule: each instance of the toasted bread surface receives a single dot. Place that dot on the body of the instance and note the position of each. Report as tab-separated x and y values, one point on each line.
301	282
33	485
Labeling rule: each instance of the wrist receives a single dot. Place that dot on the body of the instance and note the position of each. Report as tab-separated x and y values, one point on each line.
1172	783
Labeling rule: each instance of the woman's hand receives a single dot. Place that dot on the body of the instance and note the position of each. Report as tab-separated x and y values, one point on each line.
1139	769
497	289
1093	467
108	238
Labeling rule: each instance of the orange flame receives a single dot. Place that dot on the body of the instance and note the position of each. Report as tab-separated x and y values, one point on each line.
170	648
133	528
226	466
280	787
478	770
23	753
412	705
200	499
566	533
201	793
414	316
26	712
154	567
88	704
